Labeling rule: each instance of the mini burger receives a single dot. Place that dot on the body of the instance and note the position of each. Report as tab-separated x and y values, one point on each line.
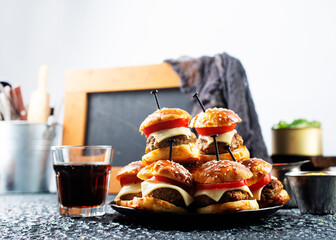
221	186
129	182
166	187
160	128
267	190
222	122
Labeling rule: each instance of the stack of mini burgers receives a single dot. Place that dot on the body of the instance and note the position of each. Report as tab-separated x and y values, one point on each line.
180	172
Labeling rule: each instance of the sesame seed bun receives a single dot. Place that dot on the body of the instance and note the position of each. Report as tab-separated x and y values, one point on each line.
214	117
163	115
131	169
258	167
221	171
167	169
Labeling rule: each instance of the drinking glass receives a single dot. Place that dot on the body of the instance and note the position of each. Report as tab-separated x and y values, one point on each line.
82	177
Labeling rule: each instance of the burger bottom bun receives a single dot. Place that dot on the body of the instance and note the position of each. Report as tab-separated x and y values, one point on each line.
123	203
151	204
185	153
230	207
239	153
278	200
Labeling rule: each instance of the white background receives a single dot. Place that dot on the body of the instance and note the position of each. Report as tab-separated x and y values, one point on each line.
287	47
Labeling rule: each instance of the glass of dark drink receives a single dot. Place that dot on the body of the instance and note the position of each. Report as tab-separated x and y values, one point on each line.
82	177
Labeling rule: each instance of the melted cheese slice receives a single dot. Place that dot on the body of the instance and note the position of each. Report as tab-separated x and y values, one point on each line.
257	193
224	137
148	187
216	194
127	189
167	133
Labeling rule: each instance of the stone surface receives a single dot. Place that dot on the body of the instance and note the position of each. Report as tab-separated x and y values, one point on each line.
36	216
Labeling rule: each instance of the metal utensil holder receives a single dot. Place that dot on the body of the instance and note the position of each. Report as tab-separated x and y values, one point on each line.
25	161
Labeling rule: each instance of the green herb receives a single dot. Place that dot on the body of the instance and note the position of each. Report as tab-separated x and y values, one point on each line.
297	123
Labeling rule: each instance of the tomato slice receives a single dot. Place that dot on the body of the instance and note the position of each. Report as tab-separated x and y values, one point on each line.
169	181
210	186
208	131
261	182
182	122
129	180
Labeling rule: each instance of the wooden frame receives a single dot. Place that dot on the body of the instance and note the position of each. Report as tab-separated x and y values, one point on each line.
79	83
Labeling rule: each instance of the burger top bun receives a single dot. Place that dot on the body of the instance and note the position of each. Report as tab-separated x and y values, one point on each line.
258	167
162	115
131	169
221	171
167	169
214	117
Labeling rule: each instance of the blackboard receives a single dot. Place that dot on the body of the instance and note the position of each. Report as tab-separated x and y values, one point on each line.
114	118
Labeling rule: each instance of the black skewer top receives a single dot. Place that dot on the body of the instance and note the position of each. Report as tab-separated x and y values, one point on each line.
216	146
171	148
229	149
154	92
199	101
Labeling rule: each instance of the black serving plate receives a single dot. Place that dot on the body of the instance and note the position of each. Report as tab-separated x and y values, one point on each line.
241	216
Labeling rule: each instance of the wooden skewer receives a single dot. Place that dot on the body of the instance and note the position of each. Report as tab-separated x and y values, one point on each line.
199	101
216	146
154	92
229	149
171	148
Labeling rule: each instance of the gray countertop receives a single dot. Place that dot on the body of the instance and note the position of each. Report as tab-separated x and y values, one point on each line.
36	216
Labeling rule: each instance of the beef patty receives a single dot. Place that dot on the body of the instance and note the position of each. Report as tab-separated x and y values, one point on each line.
168	195
130	196
152	144
229	196
271	189
209	148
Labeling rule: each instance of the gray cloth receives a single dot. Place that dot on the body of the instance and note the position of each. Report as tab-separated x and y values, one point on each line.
221	82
